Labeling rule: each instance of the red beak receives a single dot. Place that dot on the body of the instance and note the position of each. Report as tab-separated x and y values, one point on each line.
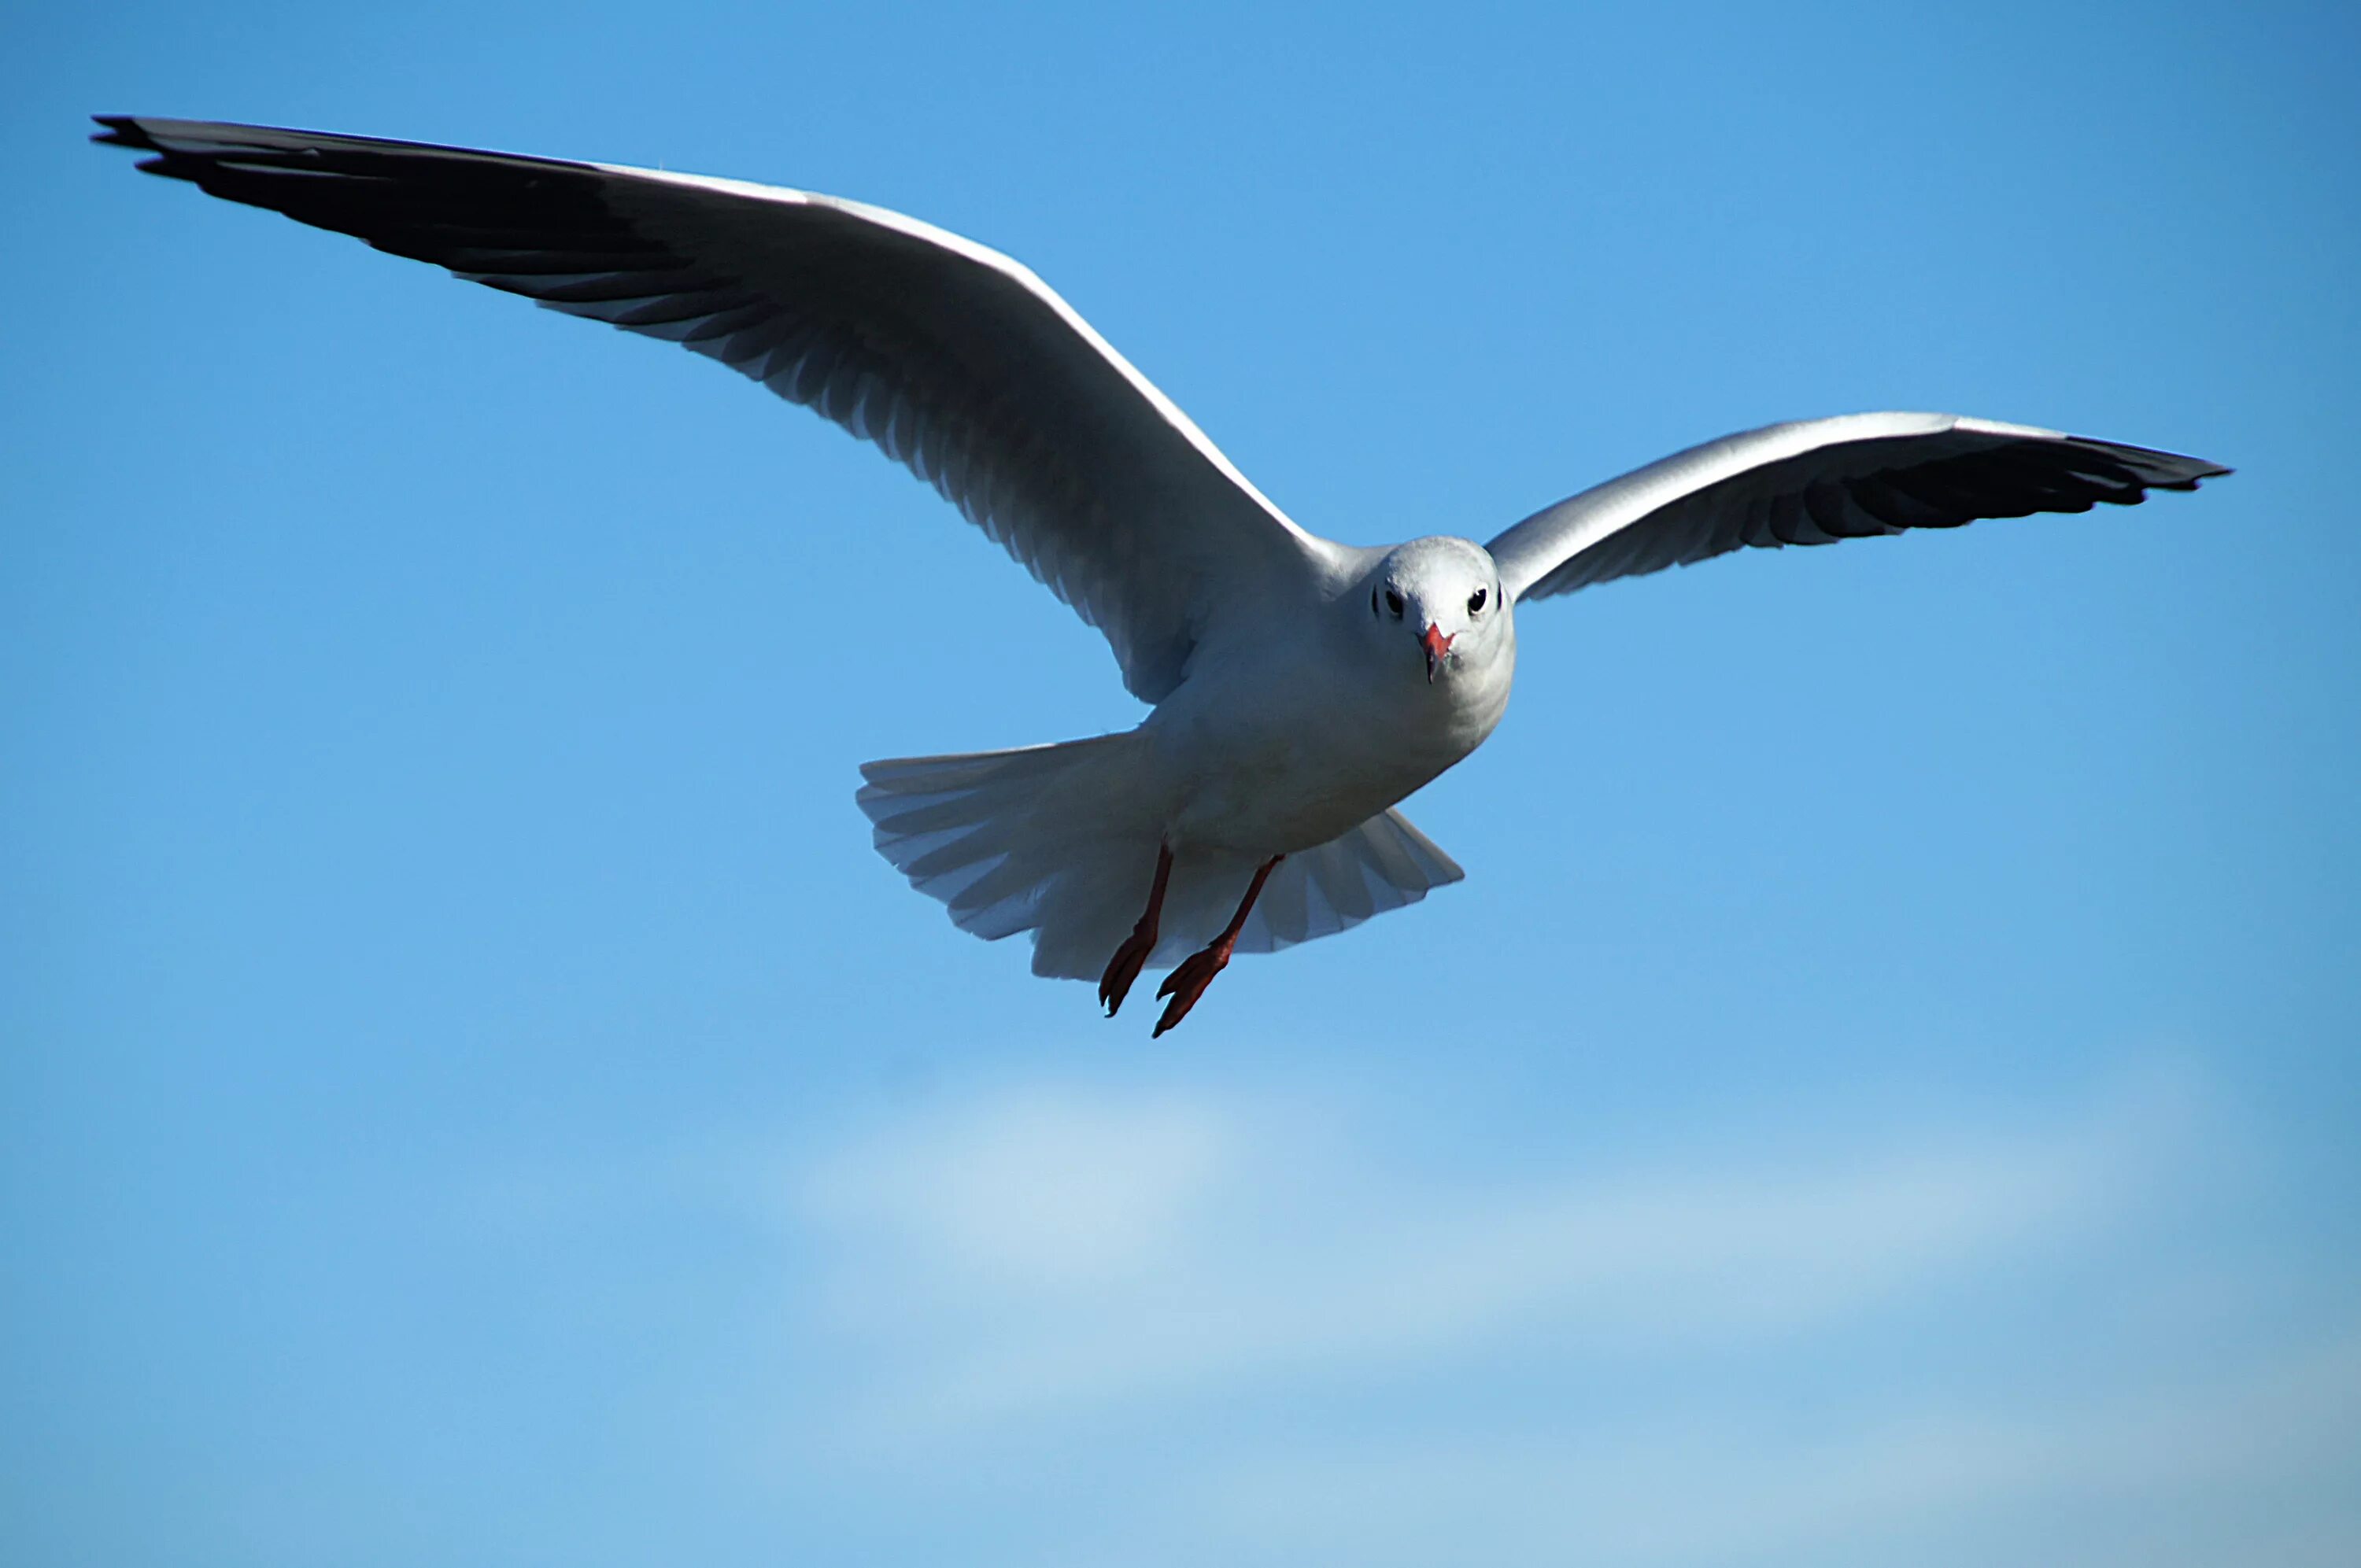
1437	643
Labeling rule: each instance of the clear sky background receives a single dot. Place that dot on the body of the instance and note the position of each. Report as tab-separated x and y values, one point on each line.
1885	1092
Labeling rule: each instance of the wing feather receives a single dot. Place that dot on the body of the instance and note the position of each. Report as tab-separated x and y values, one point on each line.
1819	481
951	358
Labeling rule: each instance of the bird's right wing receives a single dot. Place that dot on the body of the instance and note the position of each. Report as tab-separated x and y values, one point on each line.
1817	481
954	359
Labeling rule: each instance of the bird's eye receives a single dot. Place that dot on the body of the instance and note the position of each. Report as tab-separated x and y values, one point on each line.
1476	602
1394	603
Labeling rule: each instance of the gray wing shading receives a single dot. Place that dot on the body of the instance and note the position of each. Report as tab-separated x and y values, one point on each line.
1817	481
955	360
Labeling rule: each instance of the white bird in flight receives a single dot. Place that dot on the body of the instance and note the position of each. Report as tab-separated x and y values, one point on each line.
1299	688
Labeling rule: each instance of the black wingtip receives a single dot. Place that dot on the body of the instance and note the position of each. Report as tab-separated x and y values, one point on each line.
123	130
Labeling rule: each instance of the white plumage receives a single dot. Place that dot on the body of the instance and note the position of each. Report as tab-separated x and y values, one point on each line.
1301	687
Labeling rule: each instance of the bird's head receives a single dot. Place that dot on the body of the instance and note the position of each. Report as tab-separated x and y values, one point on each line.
1436	603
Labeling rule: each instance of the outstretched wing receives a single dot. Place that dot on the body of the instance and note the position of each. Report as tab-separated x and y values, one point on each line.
1817	481
954	359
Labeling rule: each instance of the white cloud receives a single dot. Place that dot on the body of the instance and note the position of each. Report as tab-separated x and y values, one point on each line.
1055	1252
1176	1326
1044	1190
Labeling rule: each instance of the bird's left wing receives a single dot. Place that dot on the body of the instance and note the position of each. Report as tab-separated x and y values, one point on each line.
957	361
1817	481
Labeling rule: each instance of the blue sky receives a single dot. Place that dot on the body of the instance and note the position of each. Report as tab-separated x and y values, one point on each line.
1885	1091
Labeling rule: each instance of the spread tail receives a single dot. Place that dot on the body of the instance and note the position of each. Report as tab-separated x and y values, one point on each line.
1057	841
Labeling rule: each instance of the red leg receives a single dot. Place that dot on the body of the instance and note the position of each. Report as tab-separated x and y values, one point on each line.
1124	967
1188	982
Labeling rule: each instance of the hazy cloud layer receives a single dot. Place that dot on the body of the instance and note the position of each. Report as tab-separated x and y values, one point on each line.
1056	1249
1152	1326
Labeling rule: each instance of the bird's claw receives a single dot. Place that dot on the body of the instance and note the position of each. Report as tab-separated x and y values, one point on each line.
1122	968
1188	982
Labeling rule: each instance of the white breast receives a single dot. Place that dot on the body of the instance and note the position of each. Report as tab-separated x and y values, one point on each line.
1273	750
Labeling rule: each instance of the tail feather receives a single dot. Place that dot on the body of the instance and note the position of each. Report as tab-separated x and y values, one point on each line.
1062	841
1385	863
1044	838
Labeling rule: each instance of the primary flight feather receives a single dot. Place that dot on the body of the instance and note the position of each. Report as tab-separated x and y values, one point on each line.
1301	687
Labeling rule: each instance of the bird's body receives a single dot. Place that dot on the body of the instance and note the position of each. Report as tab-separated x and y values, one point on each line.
1281	740
1300	688
1291	740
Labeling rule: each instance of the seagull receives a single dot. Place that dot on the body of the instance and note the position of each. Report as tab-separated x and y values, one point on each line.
1298	689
